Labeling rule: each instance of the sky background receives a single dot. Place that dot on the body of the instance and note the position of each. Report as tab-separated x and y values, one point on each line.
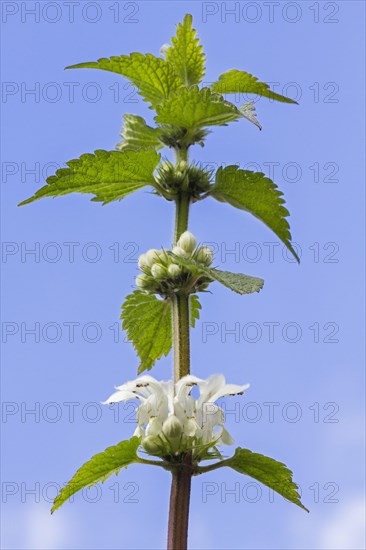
305	405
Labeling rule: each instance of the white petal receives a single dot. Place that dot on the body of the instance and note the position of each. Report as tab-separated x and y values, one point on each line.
211	386
139	432
228	389
226	438
210	414
120	396
179	411
190	427
184	385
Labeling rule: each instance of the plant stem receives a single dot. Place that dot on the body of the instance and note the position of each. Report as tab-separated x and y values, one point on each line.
181	344
179	506
182	474
182	203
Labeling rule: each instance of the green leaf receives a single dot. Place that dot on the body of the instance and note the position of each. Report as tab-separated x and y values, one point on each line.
194	310
138	135
108	175
248	112
238	282
268	471
153	76
257	194
234	82
186	54
194	108
99	468
148	323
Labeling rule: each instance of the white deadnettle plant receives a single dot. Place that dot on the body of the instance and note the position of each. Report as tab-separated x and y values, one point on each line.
173	425
171	421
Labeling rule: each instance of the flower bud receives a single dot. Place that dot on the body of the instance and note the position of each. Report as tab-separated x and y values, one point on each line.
172	427
158	271
142	281
142	262
204	255
190	427
153	428
187	241
152	445
152	256
174	270
178	251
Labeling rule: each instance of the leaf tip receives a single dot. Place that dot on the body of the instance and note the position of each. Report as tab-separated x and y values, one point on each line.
26	201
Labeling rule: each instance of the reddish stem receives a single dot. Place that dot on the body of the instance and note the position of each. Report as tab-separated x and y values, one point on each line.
179	505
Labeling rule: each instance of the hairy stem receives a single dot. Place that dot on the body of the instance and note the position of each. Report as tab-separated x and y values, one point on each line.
180	310
182	203
182	474
179	506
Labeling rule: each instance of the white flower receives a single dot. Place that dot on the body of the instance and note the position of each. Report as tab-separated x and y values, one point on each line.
187	241
171	421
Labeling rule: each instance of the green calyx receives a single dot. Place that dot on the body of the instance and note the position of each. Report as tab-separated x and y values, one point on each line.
177	137
183	177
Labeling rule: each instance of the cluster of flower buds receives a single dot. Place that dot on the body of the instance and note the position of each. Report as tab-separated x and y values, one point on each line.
177	137
171	179
163	274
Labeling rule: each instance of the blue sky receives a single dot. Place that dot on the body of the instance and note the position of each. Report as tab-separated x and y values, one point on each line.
299	342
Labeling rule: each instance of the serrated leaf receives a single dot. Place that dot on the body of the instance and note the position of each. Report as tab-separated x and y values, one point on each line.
147	320
234	82
257	194
108	175
99	468
154	77
186	54
194	310
248	111
148	323
268	471
195	108
238	282
138	135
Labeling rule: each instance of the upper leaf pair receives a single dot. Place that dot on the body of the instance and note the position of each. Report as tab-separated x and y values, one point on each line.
158	80
183	113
